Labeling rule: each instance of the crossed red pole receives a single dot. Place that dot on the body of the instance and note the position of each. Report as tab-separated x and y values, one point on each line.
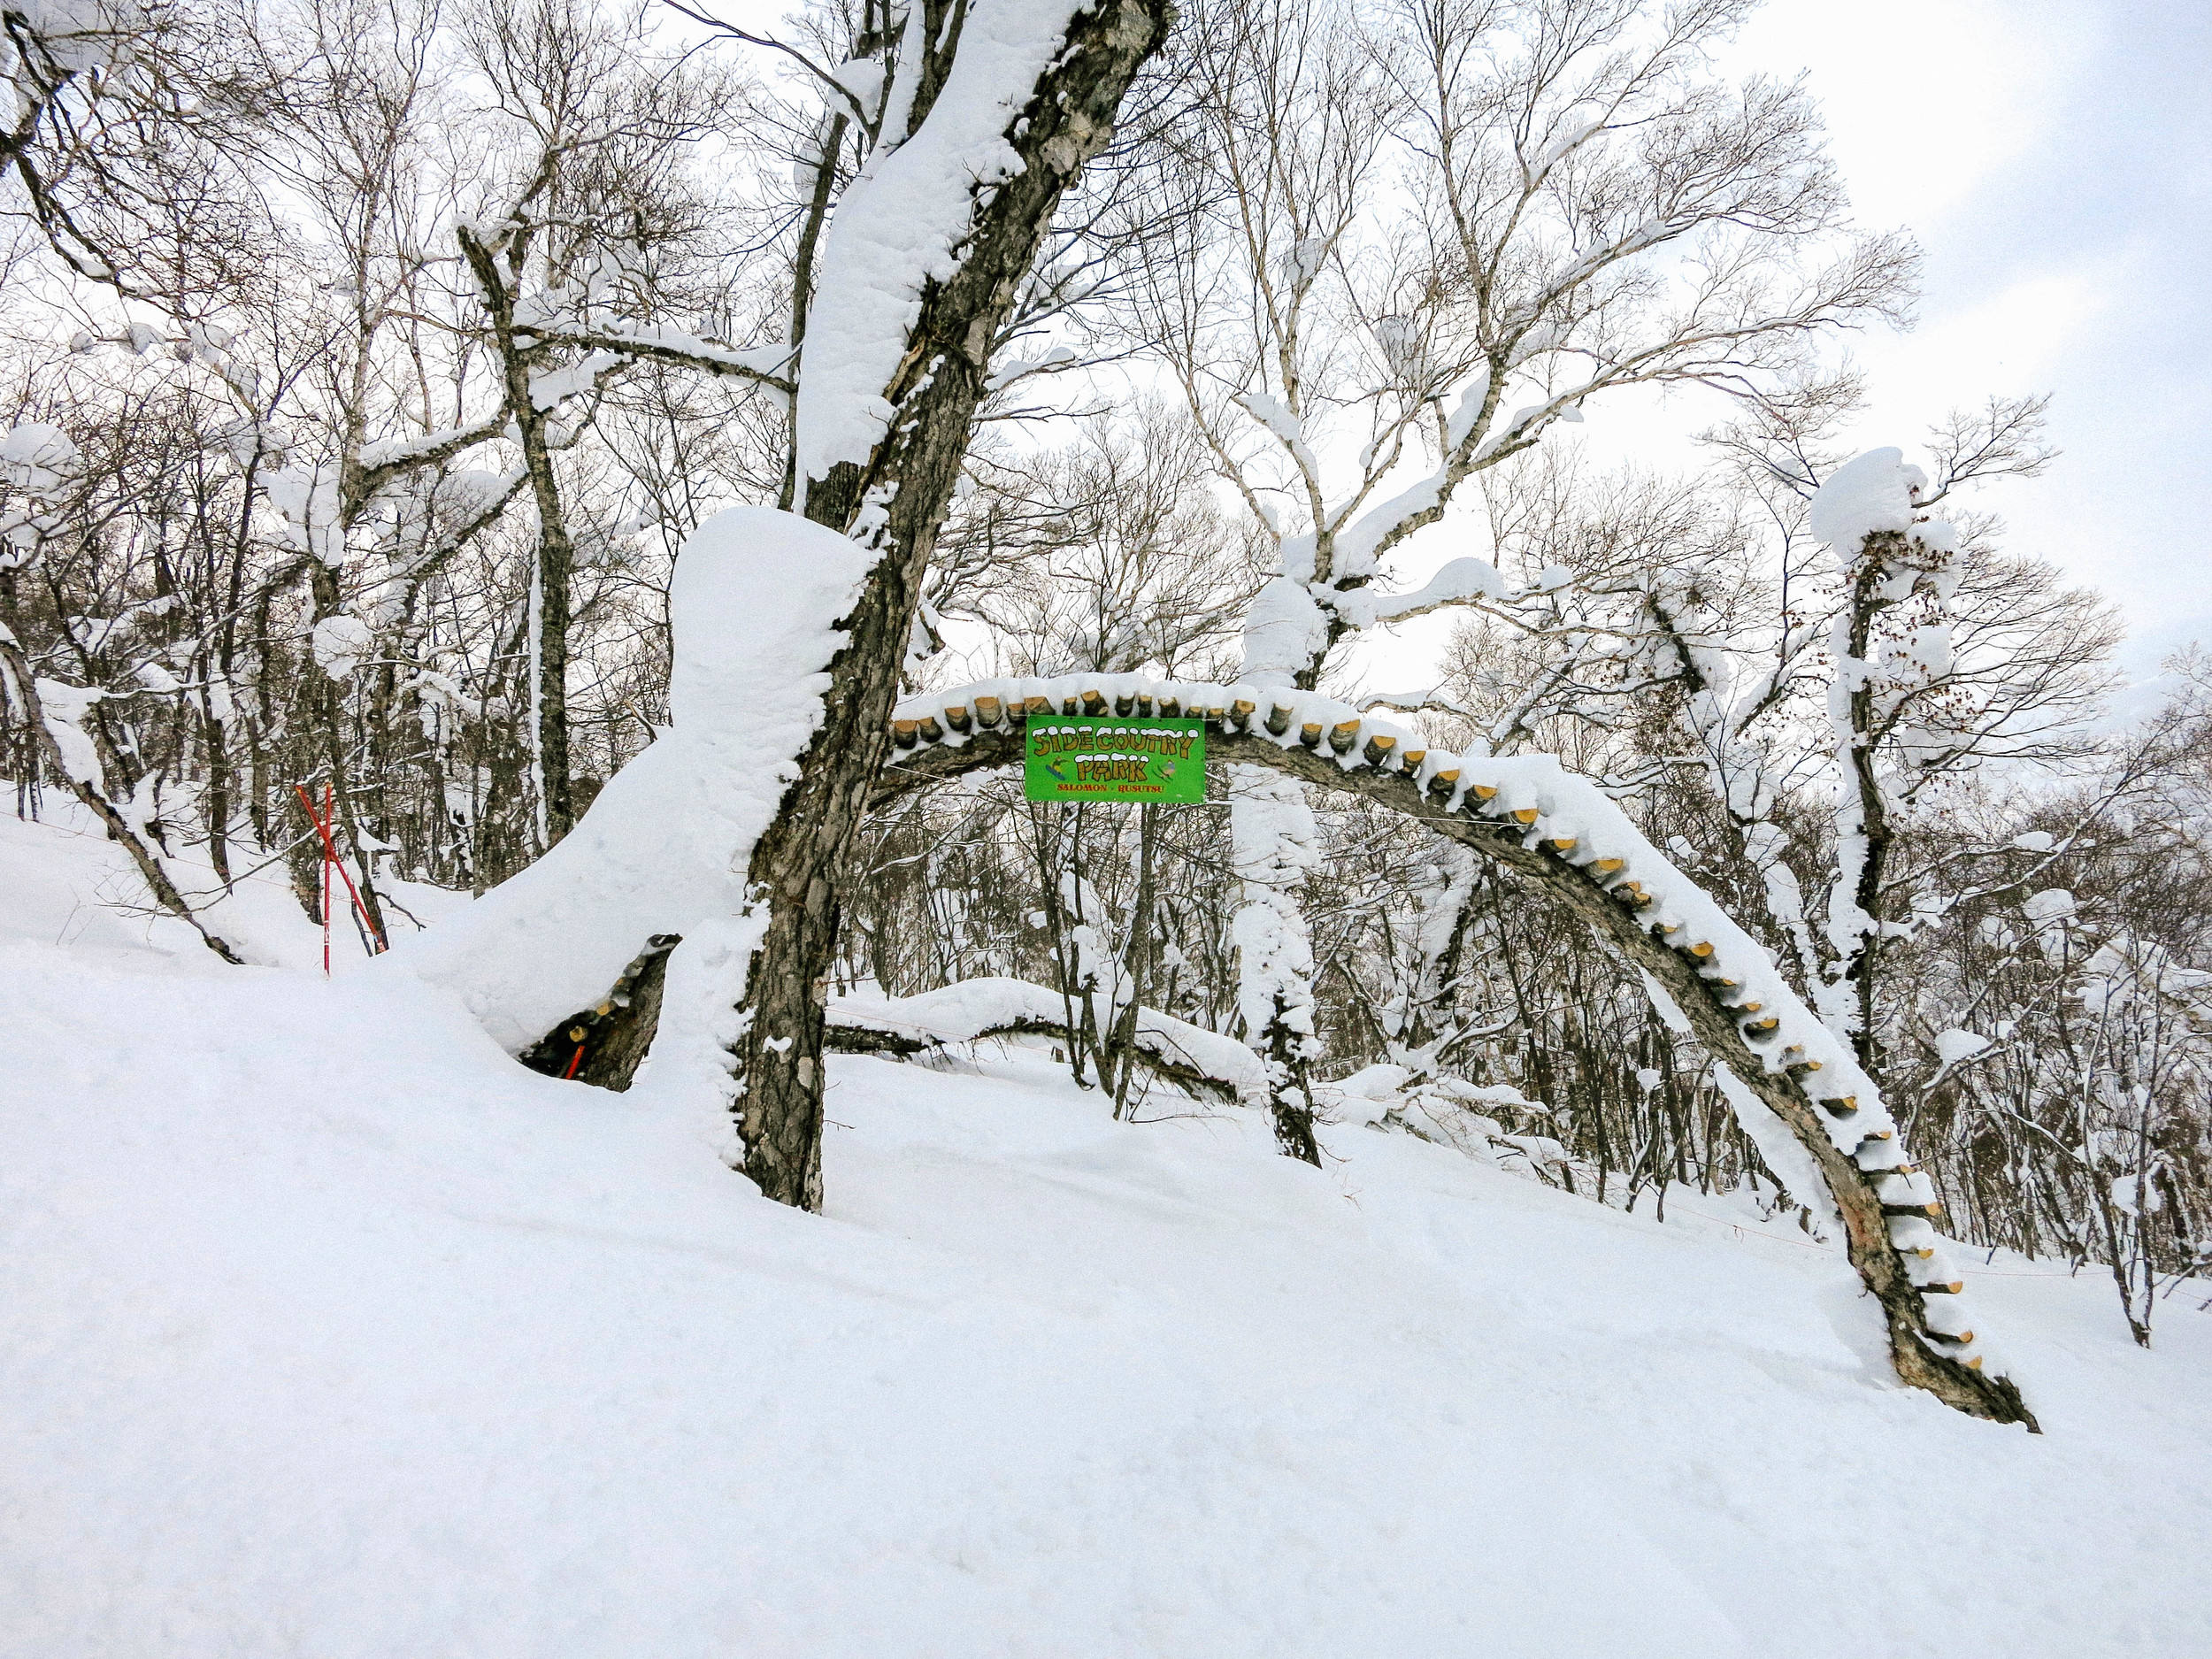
331	861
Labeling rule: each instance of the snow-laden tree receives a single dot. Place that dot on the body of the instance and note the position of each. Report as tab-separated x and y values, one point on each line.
944	143
1432	233
403	462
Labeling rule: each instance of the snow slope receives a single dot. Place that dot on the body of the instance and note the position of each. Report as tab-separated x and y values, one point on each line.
63	882
330	1331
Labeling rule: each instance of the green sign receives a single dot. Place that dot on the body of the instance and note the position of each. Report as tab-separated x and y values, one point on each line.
1076	759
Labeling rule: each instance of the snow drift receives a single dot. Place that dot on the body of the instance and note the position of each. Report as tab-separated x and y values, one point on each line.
330	1330
753	611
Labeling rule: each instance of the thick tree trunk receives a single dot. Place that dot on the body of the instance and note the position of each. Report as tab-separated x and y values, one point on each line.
797	867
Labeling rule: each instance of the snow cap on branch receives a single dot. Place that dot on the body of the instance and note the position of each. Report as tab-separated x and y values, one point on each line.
1871	495
39	458
901	219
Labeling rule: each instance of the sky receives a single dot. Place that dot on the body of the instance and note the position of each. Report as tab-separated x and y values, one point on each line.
2054	160
2053	157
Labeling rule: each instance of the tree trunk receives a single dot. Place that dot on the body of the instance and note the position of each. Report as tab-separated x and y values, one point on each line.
548	688
798	864
1858	965
1271	835
557	567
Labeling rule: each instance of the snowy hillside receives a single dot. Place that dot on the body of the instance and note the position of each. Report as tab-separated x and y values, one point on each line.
330	1331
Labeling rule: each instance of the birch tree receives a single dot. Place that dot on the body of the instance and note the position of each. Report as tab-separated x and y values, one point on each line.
1438	239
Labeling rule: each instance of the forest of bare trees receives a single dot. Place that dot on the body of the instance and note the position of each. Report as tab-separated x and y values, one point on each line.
370	366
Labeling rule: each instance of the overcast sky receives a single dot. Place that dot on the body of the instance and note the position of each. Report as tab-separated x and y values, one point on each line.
2054	159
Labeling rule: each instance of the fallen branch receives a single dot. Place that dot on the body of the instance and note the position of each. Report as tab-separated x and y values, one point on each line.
603	1045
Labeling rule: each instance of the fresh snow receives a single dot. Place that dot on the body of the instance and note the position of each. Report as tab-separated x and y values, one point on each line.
332	1331
1871	494
63	883
663	849
900	220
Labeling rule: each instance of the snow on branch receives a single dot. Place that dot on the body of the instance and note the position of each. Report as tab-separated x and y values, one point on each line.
763	364
1457	583
1568	827
973	1009
903	217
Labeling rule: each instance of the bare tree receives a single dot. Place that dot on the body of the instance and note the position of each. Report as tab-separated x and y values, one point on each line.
1424	223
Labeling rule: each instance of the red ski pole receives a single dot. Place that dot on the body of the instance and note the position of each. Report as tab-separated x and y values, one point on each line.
330	854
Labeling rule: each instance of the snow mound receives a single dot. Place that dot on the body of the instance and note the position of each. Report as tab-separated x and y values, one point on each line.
663	849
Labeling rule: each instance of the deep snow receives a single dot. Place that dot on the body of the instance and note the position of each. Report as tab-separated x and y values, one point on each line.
330	1331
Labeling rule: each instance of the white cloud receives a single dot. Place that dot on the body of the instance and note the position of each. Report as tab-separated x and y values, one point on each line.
1923	98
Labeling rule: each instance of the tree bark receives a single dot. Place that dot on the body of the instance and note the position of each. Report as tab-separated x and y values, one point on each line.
1859	965
556	550
556	568
797	865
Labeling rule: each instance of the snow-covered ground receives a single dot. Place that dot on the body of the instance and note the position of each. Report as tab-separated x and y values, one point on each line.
329	1331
